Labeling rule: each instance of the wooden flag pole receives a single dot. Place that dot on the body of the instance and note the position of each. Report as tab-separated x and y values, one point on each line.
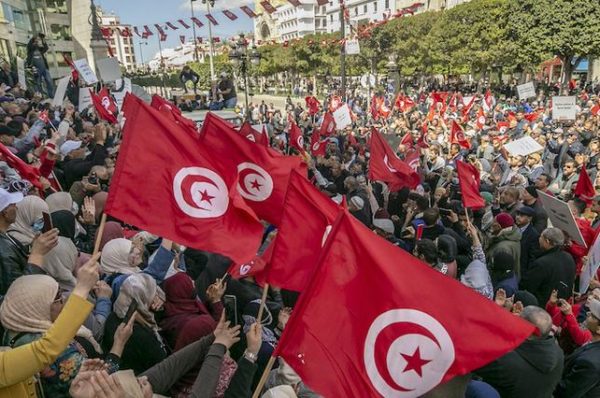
467	214
263	301
264	377
99	234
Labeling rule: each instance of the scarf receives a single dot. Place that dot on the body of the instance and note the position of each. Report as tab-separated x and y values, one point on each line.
112	230
100	201
60	201
115	258
65	221
60	263
141	288
29	210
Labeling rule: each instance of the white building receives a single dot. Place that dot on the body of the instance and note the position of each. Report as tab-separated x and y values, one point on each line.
176	58
295	22
360	12
122	47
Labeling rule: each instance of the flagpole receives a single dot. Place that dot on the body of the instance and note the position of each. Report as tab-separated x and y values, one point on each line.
263	300
99	234
467	215
263	378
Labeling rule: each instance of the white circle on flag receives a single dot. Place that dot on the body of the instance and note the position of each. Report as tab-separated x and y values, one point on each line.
251	137
388	165
316	146
300	142
415	362
245	268
255	183
105	102
325	235
208	193
481	119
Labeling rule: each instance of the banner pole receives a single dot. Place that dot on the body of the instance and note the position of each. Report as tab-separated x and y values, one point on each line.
264	377
99	234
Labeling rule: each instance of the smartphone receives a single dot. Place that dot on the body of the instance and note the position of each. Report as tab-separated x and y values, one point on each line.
130	311
230	304
47	222
445	212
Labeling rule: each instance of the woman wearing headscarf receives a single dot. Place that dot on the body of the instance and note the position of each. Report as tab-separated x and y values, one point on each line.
112	230
476	275
60	201
65	222
31	305
60	263
29	221
146	347
17	379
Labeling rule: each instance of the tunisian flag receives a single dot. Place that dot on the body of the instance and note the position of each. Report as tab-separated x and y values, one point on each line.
172	112
255	266
105	106
395	335
190	199
468	177
312	104
318	147
252	135
584	188
296	137
25	170
307	219
328	126
457	135
385	166
263	172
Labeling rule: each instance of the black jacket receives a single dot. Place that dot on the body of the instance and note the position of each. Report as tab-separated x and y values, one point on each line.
76	169
581	378
553	269
13	261
530	247
540	219
532	370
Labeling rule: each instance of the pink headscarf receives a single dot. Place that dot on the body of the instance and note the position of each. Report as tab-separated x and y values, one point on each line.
112	230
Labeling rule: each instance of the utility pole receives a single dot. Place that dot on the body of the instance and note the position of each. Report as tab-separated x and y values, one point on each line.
343	50
194	32
210	3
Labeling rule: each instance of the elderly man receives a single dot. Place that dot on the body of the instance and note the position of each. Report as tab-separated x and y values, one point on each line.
534	368
581	377
554	269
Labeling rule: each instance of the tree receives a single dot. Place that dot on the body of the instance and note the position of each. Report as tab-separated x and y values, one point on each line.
567	29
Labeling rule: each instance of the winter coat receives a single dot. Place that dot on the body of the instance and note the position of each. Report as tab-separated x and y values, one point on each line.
508	240
581	378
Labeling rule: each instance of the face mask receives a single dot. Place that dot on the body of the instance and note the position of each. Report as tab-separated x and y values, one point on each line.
38	225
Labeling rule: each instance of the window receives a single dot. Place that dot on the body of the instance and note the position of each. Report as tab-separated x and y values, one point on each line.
20	19
325	23
57	6
60	32
365	9
126	50
331	18
387	4
317	23
375	7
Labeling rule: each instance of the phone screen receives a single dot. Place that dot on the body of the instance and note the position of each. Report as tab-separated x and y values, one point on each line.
130	311
47	222
230	304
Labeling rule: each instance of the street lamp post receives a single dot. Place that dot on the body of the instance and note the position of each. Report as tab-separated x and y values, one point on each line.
142	53
241	57
194	32
393	75
209	5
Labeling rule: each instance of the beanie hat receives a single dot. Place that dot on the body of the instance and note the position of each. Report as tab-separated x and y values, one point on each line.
357	202
488	197
532	191
505	220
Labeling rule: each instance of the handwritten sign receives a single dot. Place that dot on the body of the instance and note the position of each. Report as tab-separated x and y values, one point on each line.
523	146
61	90
85	99
591	267
561	217
86	72
526	90
342	117
564	108
21	73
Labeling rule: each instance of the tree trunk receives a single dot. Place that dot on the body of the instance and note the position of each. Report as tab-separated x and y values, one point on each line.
568	67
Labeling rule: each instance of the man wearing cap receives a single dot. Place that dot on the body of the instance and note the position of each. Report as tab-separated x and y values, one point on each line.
581	376
77	164
505	237
529	237
530	198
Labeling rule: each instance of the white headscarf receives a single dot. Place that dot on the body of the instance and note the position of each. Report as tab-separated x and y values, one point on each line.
60	262
280	392
141	287
60	201
115	257
29	210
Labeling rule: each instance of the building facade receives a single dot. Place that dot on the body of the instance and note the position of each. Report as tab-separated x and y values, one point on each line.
121	47
296	22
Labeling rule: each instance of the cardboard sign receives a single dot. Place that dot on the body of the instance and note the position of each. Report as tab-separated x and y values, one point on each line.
88	75
61	90
109	69
564	108
342	117
523	146
561	217
122	87
526	90
352	47
591	267
21	73
85	98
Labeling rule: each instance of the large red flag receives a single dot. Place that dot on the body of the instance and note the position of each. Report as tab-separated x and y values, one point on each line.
252	135
385	166
172	112
104	105
468	177
191	198
296	137
25	170
457	135
584	188
328	126
264	173
395	334
300	236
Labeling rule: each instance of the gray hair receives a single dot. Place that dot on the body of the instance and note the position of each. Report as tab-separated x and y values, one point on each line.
538	318
554	236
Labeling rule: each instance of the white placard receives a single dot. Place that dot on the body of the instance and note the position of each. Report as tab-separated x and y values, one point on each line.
352	47
88	75
564	108
342	117
21	73
368	80
85	99
122	87
561	217
526	90
61	90
109	69
523	146
591	267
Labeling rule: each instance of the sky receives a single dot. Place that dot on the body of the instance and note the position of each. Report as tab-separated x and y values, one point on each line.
150	12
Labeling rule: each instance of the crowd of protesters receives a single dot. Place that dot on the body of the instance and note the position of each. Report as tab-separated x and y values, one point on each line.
66	314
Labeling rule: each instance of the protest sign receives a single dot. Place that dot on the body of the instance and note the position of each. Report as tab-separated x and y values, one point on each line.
342	117
352	47
564	108
61	90
85	99
21	73
561	217
590	267
88	75
526	90
109	69
122	87
523	147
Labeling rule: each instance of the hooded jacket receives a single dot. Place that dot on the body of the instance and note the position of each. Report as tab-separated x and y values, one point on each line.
508	240
532	370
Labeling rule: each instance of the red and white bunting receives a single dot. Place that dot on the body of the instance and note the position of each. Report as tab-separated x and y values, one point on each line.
230	15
